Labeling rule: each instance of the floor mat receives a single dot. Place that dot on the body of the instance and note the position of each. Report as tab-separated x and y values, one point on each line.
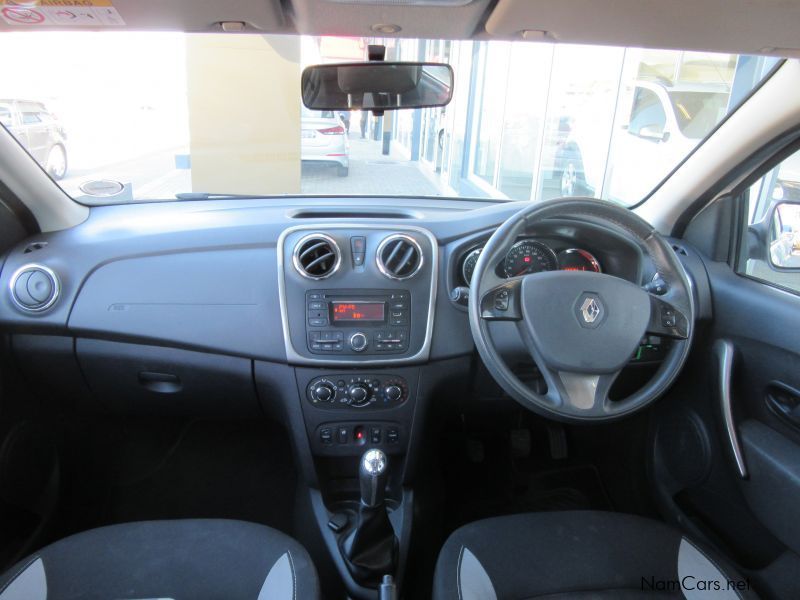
490	482
190	469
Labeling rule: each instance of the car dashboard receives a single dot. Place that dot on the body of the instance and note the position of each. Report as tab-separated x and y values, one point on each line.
245	307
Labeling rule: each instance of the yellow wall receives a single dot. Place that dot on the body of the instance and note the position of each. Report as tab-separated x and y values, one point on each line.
244	113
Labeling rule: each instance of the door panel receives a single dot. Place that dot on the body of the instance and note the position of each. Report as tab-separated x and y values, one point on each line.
755	519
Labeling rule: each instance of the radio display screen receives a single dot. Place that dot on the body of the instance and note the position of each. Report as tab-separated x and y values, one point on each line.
358	311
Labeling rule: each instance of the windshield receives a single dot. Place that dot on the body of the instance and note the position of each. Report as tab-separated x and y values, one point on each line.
158	116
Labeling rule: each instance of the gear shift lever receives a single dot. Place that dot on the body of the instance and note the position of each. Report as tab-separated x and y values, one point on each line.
371	548
372	475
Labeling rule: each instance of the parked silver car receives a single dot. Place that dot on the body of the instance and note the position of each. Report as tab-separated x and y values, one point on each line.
323	139
39	132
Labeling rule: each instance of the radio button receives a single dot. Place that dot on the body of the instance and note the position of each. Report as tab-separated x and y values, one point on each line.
317	305
318	322
359	342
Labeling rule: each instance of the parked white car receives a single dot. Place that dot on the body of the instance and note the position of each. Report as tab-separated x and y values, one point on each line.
664	123
323	139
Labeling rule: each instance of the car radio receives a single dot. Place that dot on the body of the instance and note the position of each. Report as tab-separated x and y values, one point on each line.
358	321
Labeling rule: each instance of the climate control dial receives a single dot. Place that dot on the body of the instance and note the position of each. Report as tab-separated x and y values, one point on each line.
323	391
362	391
359	394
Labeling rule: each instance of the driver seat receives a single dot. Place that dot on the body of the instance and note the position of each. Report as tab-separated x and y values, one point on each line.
580	555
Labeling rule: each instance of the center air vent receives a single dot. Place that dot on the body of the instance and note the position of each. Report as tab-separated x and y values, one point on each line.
317	256
399	257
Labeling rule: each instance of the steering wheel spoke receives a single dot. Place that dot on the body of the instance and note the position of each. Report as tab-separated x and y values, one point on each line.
580	394
667	320
502	302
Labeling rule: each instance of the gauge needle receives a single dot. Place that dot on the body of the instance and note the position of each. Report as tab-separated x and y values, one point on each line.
524	270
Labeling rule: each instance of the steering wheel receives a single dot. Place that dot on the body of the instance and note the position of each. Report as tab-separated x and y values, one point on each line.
581	328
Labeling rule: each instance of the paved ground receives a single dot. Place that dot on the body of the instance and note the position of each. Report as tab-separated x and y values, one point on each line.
371	173
155	176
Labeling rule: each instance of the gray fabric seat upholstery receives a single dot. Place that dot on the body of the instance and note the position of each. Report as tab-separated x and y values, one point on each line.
582	555
185	559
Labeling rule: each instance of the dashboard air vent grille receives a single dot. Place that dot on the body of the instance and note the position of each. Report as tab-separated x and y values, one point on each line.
399	257
317	256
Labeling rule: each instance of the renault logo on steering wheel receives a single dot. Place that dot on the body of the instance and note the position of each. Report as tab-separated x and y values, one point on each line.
590	310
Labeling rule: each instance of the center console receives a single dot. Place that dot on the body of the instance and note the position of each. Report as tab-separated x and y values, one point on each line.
357	315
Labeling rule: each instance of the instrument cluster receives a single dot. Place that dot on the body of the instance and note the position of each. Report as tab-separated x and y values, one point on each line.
533	256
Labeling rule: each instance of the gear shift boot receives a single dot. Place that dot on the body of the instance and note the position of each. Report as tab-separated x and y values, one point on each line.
370	550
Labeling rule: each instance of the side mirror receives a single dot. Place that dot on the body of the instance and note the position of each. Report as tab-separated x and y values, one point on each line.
784	237
653	133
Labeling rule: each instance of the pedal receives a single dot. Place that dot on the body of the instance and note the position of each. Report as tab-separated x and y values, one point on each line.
557	437
476	451
520	443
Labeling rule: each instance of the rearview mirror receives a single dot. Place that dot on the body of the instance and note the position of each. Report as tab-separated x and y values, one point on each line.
377	86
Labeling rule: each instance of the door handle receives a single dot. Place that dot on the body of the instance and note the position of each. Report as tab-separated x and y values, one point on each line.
723	352
162	383
784	402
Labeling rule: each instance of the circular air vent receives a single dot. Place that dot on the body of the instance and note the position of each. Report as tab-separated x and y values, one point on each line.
317	256
399	257
34	288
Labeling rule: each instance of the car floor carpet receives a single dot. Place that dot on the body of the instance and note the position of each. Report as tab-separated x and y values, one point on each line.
143	470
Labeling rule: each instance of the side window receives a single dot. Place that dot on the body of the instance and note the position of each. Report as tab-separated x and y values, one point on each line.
647	114
771	250
30	118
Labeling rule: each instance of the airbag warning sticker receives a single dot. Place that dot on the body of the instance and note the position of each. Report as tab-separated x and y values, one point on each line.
97	13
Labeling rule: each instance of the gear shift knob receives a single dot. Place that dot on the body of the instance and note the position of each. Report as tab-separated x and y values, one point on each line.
372	475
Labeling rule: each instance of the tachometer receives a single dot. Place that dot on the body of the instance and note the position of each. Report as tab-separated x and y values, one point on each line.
575	259
529	256
468	266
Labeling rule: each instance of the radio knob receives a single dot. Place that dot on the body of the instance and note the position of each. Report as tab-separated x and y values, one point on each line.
359	394
359	342
323	392
393	392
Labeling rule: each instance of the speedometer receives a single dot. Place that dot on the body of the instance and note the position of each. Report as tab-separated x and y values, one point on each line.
468	268
529	256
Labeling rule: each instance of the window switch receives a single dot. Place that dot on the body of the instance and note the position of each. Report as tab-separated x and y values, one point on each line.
392	435
341	435
375	435
326	436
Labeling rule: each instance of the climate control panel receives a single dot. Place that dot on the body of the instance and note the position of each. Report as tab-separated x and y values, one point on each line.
357	391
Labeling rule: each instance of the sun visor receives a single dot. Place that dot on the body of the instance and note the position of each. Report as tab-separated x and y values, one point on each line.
140	15
737	26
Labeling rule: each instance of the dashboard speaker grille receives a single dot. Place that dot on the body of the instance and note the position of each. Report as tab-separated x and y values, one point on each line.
317	256
399	257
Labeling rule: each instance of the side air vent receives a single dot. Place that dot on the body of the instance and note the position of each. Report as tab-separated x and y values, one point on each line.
399	257
317	256
34	288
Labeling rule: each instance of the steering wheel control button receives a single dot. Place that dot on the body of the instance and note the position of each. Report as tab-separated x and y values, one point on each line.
668	317
501	300
359	342
591	310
